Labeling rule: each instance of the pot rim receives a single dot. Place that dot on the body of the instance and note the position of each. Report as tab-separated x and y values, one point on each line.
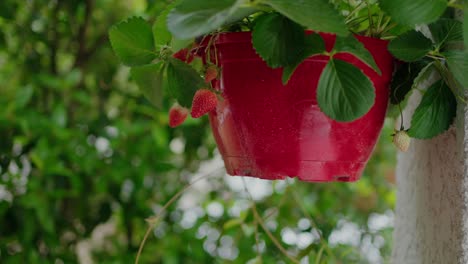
246	36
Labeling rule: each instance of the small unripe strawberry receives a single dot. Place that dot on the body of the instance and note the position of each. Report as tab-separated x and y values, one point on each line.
203	102
177	115
211	73
401	140
184	55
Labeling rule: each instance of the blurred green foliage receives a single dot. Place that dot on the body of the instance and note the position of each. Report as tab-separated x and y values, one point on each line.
85	159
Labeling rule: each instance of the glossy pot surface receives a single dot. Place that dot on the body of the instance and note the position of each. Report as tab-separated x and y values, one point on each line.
266	130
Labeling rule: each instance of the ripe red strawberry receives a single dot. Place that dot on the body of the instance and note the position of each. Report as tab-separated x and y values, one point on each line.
203	102
184	55
177	115
401	140
211	73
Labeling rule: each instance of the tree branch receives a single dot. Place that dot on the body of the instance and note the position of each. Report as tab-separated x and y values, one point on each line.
82	34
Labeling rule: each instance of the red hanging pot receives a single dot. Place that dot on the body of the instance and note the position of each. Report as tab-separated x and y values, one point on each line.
266	130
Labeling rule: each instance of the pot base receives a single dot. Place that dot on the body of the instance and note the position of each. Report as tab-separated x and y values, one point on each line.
309	171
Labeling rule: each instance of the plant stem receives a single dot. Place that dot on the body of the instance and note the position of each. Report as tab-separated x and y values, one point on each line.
312	222
271	236
449	80
453	3
264	227
153	222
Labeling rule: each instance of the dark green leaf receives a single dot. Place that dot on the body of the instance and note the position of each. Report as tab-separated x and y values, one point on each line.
446	30
276	38
351	45
318	15
410	46
132	41
193	18
414	12
8	9
313	44
404	79
458	64
435	113
24	95
150	81
344	93
182	81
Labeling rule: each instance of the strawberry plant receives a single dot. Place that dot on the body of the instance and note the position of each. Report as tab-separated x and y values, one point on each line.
162	62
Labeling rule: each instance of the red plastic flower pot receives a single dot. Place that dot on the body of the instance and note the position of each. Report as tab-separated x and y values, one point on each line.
266	130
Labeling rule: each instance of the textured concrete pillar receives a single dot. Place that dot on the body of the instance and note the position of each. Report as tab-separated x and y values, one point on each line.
431	223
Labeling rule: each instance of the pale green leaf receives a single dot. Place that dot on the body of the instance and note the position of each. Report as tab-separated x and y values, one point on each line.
161	33
178	44
149	79
132	41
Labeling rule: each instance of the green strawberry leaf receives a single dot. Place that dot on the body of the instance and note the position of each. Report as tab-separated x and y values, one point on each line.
178	44
276	38
161	33
351	45
149	79
313	45
132	41
193	18
344	93
457	62
182	81
414	12
446	30
410	46
318	15
435	113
